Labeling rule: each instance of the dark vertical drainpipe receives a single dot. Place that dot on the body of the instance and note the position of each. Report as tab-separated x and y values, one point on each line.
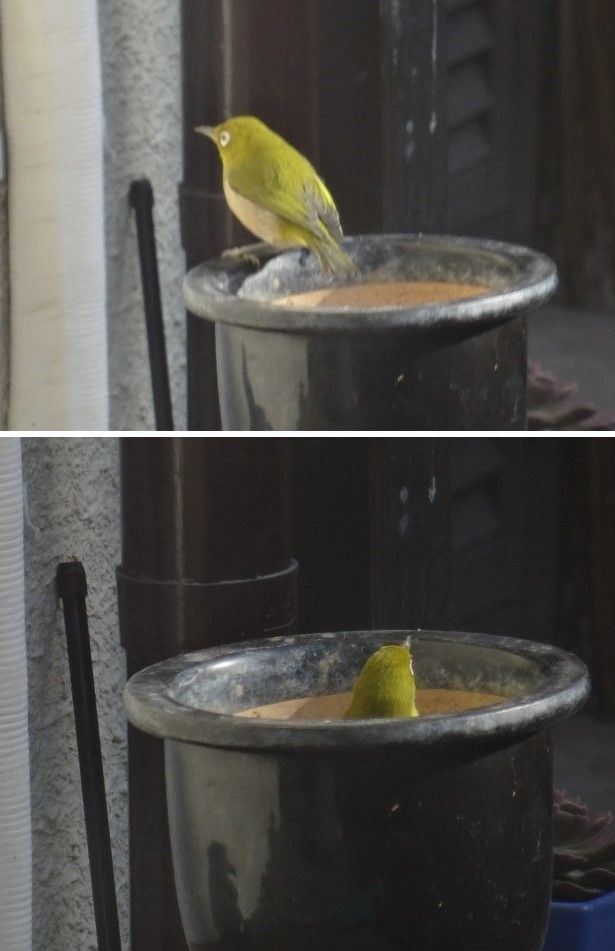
206	559
331	532
350	110
203	217
238	57
409	478
414	140
410	506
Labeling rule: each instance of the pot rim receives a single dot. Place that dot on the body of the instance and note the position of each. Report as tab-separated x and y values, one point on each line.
151	707
210	294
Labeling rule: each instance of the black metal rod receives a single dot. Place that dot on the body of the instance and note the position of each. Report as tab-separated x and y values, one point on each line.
141	198
72	589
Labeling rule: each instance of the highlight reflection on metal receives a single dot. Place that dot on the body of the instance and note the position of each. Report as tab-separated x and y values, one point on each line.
347	835
457	364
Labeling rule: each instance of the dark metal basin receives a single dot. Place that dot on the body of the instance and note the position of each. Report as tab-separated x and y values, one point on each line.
379	834
456	364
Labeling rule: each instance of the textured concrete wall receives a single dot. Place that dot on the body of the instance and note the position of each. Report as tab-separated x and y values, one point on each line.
71	509
140	42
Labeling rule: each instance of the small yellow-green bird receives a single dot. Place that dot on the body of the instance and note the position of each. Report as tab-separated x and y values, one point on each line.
276	193
385	687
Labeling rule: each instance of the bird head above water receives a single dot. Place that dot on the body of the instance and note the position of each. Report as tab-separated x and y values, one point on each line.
239	136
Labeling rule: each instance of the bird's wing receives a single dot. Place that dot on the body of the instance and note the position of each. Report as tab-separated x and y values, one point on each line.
326	210
297	195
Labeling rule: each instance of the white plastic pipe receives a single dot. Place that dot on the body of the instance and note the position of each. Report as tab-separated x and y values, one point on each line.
53	111
15	827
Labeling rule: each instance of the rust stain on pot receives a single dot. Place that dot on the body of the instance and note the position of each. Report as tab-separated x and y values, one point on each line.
382	294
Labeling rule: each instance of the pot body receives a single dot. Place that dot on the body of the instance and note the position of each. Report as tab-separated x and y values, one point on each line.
272	380
430	832
368	850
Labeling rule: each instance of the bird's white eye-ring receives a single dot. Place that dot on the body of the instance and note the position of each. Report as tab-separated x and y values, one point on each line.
225	138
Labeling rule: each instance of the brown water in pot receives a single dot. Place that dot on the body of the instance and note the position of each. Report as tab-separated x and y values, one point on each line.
333	706
382	294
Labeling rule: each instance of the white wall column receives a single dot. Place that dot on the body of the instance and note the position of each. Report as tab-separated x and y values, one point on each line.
53	115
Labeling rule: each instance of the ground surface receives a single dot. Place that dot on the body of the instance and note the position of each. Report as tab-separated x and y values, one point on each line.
585	760
577	346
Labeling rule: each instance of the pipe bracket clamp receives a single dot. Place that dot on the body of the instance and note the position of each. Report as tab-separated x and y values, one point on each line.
162	618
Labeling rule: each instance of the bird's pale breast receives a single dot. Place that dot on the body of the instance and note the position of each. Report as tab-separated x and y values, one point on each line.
265	224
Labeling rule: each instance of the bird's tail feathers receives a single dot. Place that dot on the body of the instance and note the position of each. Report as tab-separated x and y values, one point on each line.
335	261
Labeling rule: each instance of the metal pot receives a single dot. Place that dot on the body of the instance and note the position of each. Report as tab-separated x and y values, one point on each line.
458	364
372	835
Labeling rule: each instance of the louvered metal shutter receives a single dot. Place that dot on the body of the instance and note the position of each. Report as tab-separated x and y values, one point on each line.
505	498
494	84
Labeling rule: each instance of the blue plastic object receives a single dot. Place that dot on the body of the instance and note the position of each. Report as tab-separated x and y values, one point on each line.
582	926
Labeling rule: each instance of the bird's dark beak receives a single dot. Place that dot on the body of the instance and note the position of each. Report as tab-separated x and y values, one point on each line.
207	130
